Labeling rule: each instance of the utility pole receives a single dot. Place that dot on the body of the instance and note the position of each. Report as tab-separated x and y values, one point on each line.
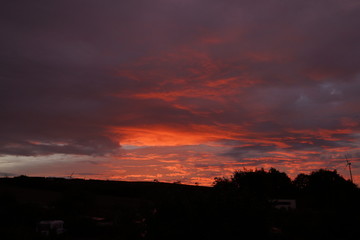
348	164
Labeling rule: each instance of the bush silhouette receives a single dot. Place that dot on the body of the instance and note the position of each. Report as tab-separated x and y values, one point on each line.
322	181
260	183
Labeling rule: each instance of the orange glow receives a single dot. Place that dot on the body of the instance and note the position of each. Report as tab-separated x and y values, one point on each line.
172	136
173	95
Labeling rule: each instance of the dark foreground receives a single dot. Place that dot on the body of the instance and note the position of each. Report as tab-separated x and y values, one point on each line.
92	209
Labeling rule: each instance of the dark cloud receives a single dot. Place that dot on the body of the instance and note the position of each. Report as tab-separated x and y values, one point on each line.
87	146
252	151
6	174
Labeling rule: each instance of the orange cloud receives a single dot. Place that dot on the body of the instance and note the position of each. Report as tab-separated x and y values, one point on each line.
157	135
187	73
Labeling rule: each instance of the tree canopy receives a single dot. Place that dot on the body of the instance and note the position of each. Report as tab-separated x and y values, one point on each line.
276	184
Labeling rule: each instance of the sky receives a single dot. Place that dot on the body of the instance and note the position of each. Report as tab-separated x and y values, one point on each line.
178	90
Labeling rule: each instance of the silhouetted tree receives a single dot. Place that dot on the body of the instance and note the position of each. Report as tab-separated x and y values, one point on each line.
301	182
260	183
322	181
325	189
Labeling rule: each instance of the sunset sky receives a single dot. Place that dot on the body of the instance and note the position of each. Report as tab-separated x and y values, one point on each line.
178	90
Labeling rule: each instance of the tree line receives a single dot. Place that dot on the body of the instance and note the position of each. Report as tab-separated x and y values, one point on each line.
276	184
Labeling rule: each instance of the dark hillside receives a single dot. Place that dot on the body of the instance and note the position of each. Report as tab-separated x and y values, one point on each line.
85	205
